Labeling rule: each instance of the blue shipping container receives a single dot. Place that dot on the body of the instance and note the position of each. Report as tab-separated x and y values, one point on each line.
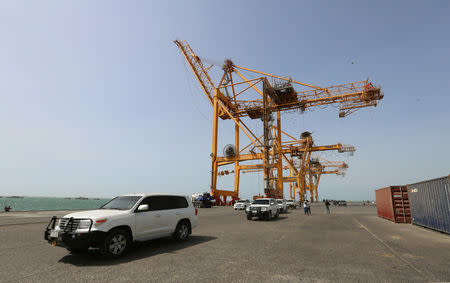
430	203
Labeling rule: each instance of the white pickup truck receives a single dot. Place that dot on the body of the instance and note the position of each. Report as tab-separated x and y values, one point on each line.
265	208
123	220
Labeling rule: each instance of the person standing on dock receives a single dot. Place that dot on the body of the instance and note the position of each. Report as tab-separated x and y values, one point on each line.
327	205
308	207
305	207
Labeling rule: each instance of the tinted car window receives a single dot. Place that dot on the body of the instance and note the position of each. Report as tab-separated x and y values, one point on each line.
165	202
261	201
159	203
179	202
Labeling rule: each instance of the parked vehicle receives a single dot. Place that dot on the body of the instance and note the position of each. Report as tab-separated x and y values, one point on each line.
291	203
123	220
241	204
342	203
264	208
204	200
282	205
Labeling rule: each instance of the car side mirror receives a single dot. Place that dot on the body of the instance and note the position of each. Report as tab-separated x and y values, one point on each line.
143	207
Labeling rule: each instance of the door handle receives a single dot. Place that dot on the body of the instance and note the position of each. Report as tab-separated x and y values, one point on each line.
178	213
157	215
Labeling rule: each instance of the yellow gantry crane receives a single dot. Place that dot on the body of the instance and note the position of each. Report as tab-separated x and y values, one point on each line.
236	97
316	167
300	164
305	171
319	169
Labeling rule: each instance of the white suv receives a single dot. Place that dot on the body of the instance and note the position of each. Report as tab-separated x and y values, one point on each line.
241	204
282	205
291	203
123	220
263	208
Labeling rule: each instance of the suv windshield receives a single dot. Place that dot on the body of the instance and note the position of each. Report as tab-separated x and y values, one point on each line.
121	203
261	201
290	200
279	201
240	201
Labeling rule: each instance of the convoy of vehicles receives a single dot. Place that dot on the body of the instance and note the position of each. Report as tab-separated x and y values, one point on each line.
141	217
241	204
263	208
122	221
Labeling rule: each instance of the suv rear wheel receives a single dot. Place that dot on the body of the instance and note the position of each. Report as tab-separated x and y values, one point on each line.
116	243
249	216
182	231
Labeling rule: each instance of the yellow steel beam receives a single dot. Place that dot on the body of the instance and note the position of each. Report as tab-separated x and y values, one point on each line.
278	77
245	79
246	157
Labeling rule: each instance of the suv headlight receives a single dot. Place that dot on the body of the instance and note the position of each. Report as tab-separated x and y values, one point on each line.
264	208
247	208
84	224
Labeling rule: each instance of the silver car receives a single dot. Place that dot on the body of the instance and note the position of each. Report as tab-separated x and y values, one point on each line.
241	204
282	205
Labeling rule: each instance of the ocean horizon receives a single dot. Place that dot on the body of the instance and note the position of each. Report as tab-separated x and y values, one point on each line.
24	203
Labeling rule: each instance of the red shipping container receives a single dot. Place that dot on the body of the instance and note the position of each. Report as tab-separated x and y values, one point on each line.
393	204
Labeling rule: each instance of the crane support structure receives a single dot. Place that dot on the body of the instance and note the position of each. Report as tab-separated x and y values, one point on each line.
236	97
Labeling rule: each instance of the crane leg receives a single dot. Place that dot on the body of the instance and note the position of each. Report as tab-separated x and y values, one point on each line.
214	150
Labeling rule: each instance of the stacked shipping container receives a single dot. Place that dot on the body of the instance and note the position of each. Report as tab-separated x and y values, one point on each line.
430	203
393	204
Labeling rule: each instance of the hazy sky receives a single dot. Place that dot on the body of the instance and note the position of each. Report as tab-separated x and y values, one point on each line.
96	100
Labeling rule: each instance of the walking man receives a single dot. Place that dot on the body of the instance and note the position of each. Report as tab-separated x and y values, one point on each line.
305	207
327	205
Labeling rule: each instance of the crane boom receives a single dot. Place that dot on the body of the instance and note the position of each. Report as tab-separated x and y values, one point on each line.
198	69
349	96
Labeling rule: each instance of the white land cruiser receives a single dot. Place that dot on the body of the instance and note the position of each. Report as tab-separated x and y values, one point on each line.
263	208
291	203
241	204
282	205
123	220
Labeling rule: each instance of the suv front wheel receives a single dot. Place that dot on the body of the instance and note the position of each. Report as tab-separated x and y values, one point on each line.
277	214
269	216
116	243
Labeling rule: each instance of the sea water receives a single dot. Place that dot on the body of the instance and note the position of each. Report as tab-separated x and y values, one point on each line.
41	203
